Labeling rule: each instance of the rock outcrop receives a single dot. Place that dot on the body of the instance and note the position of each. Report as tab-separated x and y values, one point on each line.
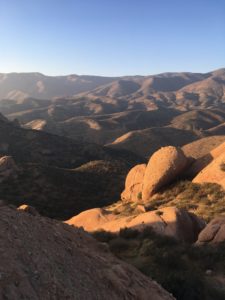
91	219
213	172
170	221
205	160
7	167
214	232
163	167
46	259
134	184
29	209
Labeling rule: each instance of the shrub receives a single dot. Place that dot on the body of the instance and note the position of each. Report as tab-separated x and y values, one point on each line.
222	167
103	236
139	196
128	233
118	245
159	213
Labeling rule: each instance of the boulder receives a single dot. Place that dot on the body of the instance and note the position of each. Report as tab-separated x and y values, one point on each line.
163	167
214	232
213	172
170	221
29	209
134	183
205	160
91	219
7	167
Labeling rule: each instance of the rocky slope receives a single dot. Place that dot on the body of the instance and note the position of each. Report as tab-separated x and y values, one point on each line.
31	268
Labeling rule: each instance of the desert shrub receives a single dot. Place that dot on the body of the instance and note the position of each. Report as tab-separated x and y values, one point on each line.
205	200
180	268
139	196
222	167
118	245
103	236
147	232
159	213
128	233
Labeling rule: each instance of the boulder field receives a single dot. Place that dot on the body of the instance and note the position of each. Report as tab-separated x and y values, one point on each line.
163	167
168	164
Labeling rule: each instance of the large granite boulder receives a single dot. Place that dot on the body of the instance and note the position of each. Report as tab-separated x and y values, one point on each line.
134	184
163	167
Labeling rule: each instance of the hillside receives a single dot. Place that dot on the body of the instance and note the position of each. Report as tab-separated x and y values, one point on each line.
203	146
36	85
48	174
145	142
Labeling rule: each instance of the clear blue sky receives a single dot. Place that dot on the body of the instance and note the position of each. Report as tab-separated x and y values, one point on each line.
111	37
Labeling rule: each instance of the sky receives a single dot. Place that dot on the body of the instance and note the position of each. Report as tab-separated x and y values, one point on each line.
111	37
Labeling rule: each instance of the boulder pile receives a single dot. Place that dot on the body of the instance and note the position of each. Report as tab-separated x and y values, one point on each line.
164	166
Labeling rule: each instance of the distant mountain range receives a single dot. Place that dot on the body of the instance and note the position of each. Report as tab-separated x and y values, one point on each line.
137	113
174	87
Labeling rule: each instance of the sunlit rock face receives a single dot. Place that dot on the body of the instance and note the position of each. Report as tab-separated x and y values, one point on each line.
163	167
170	221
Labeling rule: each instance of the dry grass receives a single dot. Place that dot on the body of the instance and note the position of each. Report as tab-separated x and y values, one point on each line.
205	200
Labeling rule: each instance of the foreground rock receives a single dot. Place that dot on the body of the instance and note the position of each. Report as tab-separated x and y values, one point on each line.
7	168
170	221
134	184
213	233
163	167
45	259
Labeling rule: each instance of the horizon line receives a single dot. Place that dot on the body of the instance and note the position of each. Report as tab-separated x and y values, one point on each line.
116	76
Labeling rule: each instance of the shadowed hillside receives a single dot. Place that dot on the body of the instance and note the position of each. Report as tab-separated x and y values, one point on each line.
47	176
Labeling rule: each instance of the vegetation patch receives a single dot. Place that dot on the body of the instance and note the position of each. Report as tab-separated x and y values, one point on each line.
205	200
188	272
